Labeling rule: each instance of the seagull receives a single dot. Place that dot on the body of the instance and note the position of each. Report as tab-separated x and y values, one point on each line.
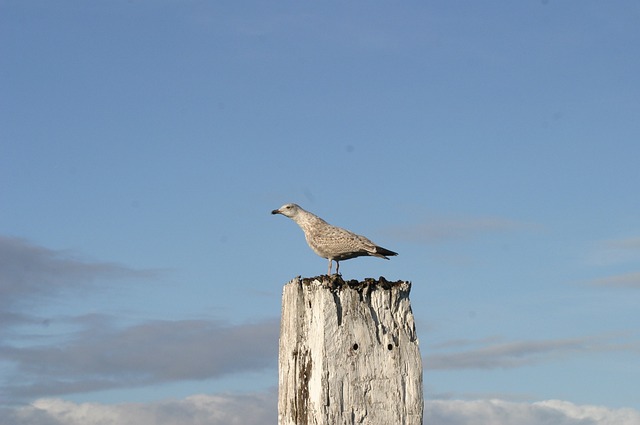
331	242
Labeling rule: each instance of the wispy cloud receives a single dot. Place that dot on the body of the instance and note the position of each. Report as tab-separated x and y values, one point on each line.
261	408
443	230
506	355
93	352
615	251
104	357
28	271
628	280
626	243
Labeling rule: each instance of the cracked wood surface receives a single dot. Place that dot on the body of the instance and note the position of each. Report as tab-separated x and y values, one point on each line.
348	354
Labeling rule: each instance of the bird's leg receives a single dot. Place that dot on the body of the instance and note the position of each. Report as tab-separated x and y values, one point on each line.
337	266
330	261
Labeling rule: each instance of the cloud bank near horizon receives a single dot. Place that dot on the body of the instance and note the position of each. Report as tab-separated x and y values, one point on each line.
92	352
261	408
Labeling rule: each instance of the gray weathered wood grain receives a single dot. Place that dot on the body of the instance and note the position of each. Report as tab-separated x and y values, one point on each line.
348	354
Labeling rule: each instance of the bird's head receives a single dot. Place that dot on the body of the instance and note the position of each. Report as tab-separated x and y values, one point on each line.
288	210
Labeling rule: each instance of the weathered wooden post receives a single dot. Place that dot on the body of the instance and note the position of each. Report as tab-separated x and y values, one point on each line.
348	354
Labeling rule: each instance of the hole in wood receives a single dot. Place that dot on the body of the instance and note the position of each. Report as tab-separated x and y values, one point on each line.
390	347
355	347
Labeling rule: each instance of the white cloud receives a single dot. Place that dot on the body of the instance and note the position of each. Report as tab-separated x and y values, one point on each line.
261	408
221	409
489	412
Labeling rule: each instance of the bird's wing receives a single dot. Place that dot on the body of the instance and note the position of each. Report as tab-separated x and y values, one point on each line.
337	242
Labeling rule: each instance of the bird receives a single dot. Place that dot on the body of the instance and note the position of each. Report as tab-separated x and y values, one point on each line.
331	242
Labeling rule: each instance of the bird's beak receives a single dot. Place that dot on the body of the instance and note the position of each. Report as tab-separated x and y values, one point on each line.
276	212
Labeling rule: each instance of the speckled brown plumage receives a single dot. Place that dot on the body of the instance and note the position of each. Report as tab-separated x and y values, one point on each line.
331	242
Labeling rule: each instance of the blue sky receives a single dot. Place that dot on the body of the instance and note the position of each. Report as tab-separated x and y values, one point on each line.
143	144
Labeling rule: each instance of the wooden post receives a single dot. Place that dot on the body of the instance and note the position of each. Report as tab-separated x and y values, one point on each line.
348	354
